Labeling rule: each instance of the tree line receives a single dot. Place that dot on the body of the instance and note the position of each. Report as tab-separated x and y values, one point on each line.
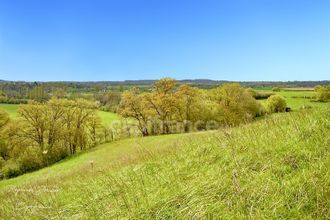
168	107
45	133
21	92
50	129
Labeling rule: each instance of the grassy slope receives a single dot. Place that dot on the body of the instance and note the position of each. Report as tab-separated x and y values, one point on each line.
106	117
273	168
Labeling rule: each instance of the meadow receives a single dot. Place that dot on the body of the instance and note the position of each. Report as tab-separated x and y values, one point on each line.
106	117
296	98
272	168
11	109
164	110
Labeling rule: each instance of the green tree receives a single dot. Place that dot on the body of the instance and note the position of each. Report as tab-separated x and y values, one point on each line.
161	100
33	124
234	104
78	115
189	105
4	120
133	105
58	123
95	129
109	101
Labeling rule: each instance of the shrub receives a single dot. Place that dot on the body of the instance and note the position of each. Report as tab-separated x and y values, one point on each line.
263	95
276	103
252	92
322	93
2	162
11	169
30	159
12	100
262	111
54	155
259	94
276	89
4	118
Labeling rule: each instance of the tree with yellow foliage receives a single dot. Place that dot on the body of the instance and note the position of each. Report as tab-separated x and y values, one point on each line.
133	105
234	104
162	100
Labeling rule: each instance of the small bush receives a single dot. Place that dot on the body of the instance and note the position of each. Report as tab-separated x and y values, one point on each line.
276	103
259	94
276	89
11	169
322	93
263	95
30	159
262	111
54	155
252	92
12	100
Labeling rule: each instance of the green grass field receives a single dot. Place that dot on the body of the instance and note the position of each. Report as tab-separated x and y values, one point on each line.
272	168
297	99
11	109
106	117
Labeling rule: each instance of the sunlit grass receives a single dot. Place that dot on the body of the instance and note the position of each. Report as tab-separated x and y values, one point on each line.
298	99
106	117
273	168
11	109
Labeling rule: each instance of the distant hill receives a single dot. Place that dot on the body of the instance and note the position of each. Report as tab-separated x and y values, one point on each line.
197	82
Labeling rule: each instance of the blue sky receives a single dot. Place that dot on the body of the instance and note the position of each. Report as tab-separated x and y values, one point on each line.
47	40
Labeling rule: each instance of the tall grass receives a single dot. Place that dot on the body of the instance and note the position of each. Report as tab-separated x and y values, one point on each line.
274	168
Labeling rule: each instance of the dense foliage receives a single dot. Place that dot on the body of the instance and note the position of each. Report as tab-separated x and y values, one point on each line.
276	89
47	132
18	91
322	93
276	103
168	109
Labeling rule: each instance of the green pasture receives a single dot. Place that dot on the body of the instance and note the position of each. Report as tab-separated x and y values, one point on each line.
106	117
11	109
276	168
298	99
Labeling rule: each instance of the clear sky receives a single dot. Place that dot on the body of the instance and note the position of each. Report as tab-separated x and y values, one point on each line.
83	40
